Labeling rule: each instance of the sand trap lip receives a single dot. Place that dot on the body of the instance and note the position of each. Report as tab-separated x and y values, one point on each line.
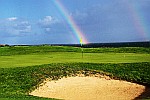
89	88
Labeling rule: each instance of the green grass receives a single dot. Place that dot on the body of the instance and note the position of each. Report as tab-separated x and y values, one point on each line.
18	82
23	68
71	57
23	50
24	97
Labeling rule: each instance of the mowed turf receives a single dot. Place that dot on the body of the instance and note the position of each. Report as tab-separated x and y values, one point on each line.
71	57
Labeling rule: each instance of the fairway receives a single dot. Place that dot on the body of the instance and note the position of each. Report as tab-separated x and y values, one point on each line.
70	57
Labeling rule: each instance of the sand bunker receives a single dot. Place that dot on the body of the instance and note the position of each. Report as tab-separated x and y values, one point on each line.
89	88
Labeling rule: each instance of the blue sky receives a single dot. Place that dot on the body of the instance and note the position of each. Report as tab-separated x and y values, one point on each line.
40	21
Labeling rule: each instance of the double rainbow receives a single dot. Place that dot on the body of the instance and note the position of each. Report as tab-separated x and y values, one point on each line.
138	21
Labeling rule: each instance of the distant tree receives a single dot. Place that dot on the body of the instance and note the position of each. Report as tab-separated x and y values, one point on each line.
3	45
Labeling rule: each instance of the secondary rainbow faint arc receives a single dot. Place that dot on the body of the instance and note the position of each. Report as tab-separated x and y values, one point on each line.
79	34
137	20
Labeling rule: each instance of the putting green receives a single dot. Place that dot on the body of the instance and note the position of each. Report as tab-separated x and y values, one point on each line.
71	57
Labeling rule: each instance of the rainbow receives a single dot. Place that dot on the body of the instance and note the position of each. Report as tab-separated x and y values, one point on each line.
138	20
76	30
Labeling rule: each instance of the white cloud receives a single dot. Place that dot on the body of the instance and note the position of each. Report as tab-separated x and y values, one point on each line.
13	26
24	22
47	20
47	29
12	18
23	27
26	29
48	24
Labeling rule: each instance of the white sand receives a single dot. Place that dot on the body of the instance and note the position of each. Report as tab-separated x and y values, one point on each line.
89	88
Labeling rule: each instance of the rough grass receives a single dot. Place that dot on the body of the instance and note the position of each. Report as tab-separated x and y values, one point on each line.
20	81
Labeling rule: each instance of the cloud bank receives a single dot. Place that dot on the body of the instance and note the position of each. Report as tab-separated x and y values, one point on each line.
14	26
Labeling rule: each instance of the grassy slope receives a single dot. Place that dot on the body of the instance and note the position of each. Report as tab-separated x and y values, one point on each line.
19	81
15	83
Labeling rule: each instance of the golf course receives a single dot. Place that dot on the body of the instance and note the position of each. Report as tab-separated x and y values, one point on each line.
24	68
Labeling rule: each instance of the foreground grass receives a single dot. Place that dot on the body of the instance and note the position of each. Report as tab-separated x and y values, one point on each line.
16	83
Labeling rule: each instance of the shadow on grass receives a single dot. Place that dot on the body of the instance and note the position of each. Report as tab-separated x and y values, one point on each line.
145	95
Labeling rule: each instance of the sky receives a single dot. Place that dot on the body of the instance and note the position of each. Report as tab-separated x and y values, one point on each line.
66	21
